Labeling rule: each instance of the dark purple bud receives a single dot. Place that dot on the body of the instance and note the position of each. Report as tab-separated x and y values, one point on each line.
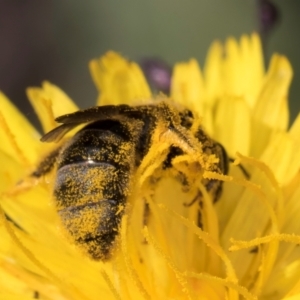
268	15
158	74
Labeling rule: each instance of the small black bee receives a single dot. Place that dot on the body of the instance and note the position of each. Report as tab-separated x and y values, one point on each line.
96	166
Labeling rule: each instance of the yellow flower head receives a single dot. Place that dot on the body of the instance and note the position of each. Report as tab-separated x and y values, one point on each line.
172	242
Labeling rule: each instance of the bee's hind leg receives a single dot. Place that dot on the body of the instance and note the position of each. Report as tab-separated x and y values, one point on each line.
43	168
241	167
47	164
197	198
146	216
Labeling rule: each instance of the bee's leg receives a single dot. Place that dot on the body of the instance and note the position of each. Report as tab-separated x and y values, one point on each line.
254	249
8	218
199	219
198	196
146	214
242	168
31	180
198	199
36	295
146	217
47	164
214	189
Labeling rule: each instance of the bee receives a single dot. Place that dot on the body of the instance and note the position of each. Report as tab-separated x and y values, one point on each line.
95	167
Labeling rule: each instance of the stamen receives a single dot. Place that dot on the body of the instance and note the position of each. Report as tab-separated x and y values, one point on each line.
250	185
282	237
211	226
128	262
231	285
207	239
269	257
180	277
270	175
110	285
272	250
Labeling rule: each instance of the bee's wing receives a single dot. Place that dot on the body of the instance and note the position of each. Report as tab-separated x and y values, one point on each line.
96	113
56	134
93	114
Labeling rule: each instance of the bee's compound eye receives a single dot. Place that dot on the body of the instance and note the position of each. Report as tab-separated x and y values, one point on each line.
93	226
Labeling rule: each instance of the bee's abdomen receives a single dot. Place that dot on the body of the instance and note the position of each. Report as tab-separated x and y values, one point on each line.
82	183
91	188
93	226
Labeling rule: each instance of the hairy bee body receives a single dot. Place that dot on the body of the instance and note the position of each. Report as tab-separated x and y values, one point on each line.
95	167
92	185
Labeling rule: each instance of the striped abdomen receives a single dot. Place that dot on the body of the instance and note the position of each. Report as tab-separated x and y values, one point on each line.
92	185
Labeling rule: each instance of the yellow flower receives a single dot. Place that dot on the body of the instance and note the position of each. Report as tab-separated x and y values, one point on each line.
248	245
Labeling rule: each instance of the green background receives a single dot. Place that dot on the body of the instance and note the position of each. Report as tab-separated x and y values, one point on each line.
54	40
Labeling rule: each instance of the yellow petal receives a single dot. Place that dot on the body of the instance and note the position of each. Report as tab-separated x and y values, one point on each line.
286	272
248	220
50	102
282	153
10	171
260	136
272	107
232	125
118	80
243	68
232	68
213	72
295	129
16	134
294	294
12	288
283	278
252	67
293	297
47	253
187	85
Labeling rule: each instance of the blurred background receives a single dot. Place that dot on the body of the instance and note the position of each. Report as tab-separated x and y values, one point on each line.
54	40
